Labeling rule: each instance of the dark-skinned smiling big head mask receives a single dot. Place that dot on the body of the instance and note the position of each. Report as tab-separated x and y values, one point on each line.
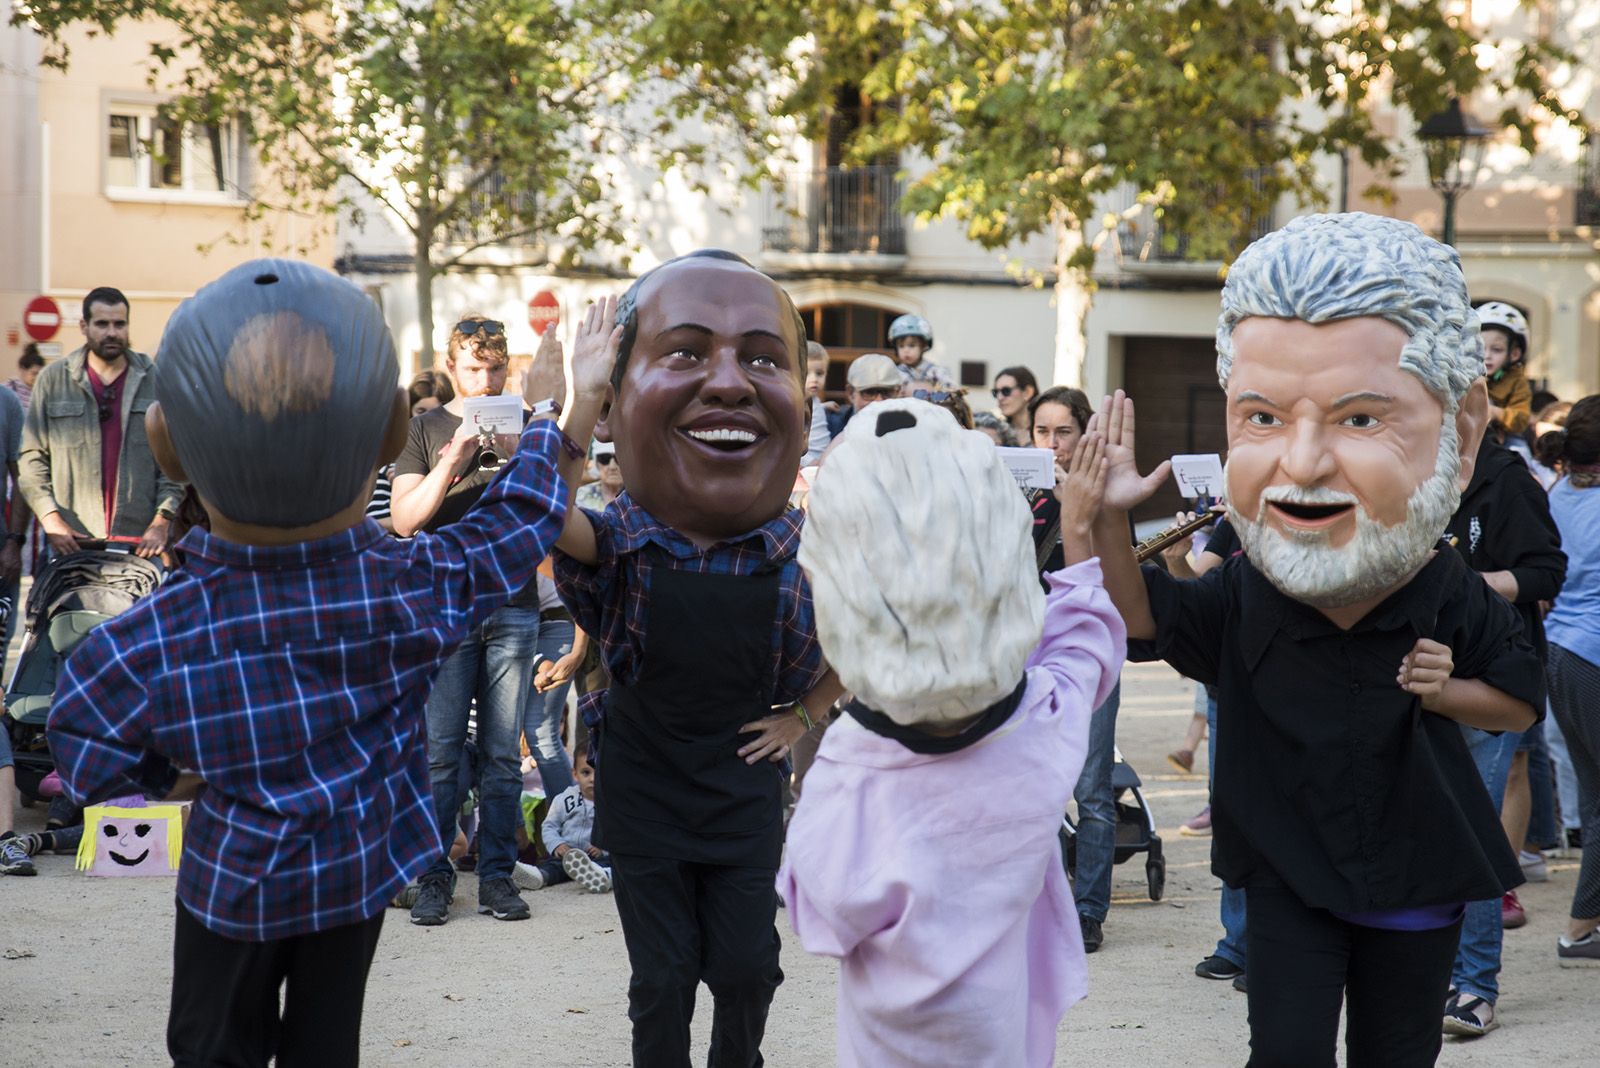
708	396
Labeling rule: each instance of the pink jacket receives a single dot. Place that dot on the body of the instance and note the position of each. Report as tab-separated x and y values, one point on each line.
937	880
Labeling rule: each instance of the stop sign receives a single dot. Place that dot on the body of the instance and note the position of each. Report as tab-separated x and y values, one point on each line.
41	318
543	311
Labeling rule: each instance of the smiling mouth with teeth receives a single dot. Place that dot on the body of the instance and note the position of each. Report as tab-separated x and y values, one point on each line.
726	439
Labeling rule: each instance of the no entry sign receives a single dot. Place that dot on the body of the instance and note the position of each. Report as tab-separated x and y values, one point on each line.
41	318
543	311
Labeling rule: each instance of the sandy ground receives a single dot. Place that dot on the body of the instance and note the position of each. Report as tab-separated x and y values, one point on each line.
90	986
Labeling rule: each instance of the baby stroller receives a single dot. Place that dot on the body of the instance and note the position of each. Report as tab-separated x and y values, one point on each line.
70	597
1135	831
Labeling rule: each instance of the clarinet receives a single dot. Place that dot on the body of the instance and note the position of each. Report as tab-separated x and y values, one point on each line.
1155	543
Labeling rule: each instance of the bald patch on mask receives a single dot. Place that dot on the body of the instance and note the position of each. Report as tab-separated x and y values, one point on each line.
279	364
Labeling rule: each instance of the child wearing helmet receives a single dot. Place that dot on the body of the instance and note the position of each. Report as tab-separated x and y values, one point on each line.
912	337
1505	347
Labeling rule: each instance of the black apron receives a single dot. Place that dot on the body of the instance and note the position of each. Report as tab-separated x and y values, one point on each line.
670	782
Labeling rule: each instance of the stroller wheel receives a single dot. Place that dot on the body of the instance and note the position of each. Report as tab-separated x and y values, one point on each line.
1155	874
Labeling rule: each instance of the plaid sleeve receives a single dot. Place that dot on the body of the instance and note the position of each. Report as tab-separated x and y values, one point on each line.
98	727
585	589
800	665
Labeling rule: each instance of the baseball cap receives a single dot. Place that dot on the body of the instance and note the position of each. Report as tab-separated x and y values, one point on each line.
874	371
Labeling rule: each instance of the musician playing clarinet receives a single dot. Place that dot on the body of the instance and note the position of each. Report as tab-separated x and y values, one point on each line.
1348	652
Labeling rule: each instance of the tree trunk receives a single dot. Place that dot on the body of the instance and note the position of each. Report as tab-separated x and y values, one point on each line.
423	261
1074	297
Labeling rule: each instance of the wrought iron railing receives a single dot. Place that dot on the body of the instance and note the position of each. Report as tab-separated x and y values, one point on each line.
838	210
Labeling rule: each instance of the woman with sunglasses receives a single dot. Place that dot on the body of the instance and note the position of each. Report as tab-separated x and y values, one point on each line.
1014	389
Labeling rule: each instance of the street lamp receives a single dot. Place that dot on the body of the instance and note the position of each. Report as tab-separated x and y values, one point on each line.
1453	141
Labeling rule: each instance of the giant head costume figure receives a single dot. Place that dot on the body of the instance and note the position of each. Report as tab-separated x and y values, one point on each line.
922	567
276	395
708	409
1353	368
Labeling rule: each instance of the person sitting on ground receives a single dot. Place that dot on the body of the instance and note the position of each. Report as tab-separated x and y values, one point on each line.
13	853
1505	350
567	832
288	662
937	968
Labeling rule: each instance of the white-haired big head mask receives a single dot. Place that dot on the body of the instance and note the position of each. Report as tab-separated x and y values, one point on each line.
917	544
1348	351
277	382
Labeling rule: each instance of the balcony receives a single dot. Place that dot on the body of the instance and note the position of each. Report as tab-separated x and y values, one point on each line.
1147	246
491	221
836	217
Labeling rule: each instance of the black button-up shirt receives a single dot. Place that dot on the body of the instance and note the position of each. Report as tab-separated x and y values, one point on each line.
1329	778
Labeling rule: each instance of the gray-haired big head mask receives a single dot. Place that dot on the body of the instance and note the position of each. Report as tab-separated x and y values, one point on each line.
277	381
918	547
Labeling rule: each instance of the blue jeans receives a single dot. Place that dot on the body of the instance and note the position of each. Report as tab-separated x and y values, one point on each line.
1097	812
542	723
1566	776
1230	947
1477	968
1542	830
494	664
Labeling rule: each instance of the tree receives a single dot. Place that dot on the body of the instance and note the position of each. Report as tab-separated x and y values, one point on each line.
1031	111
474	123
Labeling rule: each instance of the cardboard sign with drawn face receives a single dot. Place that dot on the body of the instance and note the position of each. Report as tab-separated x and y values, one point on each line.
122	841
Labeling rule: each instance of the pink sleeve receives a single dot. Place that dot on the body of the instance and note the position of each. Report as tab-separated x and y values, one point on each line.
1085	641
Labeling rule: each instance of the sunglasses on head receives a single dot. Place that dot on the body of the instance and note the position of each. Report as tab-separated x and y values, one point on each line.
490	327
1002	392
934	396
603	458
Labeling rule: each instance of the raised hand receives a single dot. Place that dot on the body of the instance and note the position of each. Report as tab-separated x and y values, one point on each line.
547	377
594	352
1081	488
1125	487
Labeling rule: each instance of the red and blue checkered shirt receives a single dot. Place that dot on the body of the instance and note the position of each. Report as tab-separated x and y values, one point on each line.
609	600
293	679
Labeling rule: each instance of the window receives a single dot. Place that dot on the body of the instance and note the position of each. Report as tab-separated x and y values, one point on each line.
151	156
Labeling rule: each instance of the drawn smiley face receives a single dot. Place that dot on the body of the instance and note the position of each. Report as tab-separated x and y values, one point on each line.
128	837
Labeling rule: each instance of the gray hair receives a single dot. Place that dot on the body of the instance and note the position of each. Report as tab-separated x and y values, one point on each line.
278	381
917	543
1321	268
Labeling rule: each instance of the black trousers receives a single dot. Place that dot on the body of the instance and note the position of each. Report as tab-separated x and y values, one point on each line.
225	997
689	923
1305	963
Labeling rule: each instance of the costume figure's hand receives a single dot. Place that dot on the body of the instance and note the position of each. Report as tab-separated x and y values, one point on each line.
1425	670
774	735
1125	487
1081	488
594	353
547	376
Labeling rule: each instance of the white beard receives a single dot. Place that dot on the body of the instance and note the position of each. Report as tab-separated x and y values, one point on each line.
1306	567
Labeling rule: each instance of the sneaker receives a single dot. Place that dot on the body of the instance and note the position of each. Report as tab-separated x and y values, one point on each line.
1584	953
1182	759
1534	868
1240	985
582	869
1198	825
14	859
1512	914
406	897
31	843
1218	968
527	877
498	897
1093	936
1470	1017
434	894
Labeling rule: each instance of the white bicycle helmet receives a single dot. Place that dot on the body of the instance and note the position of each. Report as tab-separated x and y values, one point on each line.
1498	313
911	326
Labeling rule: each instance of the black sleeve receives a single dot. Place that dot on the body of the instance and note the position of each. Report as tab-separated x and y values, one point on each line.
1190	616
414	458
1528	542
1487	643
1224	542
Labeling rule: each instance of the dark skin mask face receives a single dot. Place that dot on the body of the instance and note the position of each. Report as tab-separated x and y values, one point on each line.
710	421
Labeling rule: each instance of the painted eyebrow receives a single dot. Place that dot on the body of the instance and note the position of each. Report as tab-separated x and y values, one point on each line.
1363	395
1252	395
708	332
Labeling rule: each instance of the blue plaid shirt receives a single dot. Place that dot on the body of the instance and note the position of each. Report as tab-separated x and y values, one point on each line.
293	679
608	601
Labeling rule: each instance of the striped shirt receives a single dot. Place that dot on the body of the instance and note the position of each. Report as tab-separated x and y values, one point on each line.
293	679
609	601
